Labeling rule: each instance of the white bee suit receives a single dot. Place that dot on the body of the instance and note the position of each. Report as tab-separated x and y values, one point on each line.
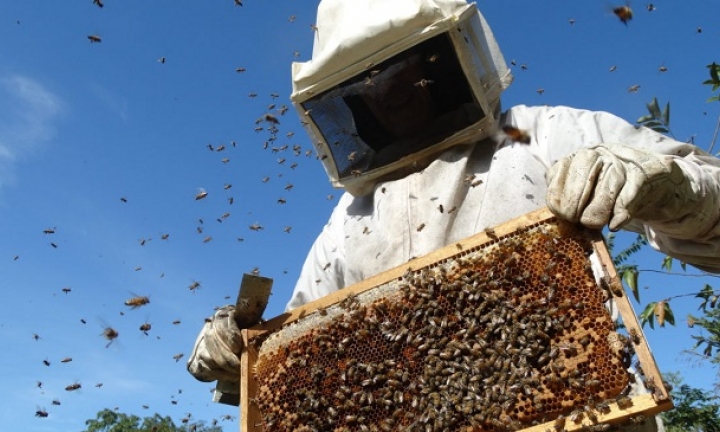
479	187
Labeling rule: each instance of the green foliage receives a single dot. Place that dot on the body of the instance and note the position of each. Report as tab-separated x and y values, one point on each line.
708	343
657	120
624	254
714	80
695	410
110	421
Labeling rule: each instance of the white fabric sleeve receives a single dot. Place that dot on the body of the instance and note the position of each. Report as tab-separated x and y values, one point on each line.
324	267
564	130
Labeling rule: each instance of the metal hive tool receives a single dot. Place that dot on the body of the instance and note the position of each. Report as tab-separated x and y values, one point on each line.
511	329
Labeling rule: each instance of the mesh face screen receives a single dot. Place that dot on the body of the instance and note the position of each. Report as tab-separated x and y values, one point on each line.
411	101
497	338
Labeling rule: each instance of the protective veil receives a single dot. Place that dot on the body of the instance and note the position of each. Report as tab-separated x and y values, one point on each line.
392	83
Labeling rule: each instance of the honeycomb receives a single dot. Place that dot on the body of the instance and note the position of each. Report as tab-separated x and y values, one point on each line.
500	337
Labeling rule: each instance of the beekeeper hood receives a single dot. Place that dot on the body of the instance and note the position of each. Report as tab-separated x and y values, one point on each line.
393	82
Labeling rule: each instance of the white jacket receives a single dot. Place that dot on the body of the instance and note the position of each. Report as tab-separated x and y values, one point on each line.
482	185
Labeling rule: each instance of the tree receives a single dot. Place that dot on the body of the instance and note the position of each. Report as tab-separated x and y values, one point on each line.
695	410
111	421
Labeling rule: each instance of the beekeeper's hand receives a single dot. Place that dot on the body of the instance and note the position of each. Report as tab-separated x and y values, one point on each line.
611	184
216	354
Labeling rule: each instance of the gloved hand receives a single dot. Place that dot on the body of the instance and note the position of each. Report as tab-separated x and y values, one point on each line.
216	352
612	184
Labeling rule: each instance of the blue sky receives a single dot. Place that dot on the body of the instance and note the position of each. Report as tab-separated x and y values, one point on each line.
108	146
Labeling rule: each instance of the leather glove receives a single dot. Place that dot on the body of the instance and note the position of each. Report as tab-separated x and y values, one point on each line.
216	352
612	184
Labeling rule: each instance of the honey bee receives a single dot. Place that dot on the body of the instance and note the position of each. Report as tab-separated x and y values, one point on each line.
634	336
176	322
202	194
66	360
420	227
240	70
73	387
624	13
99	3
256	227
193	286
110	334
137	301
49	231
178	356
46	362
94	38
55	402
66	290
270	119
515	134
40	412
145	328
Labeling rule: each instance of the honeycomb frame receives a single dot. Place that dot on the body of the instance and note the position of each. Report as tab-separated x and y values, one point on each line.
371	358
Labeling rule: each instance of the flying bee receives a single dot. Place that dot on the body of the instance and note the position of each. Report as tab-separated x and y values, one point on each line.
137	301
73	387
56	402
178	356
66	290
66	360
40	412
94	38
634	336
46	362
145	327
110	334
202	194
514	134
624	13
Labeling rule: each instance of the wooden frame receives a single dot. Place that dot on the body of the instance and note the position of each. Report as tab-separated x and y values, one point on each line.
656	401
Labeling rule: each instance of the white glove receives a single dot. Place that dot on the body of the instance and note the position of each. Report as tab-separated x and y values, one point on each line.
216	352
612	184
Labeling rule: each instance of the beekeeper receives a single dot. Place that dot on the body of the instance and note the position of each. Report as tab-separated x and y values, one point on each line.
402	102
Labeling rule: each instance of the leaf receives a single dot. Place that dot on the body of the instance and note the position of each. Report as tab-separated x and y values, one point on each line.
666	114
714	72
713	98
647	315
644	119
659	312
654	108
669	315
630	277
667	263
652	124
